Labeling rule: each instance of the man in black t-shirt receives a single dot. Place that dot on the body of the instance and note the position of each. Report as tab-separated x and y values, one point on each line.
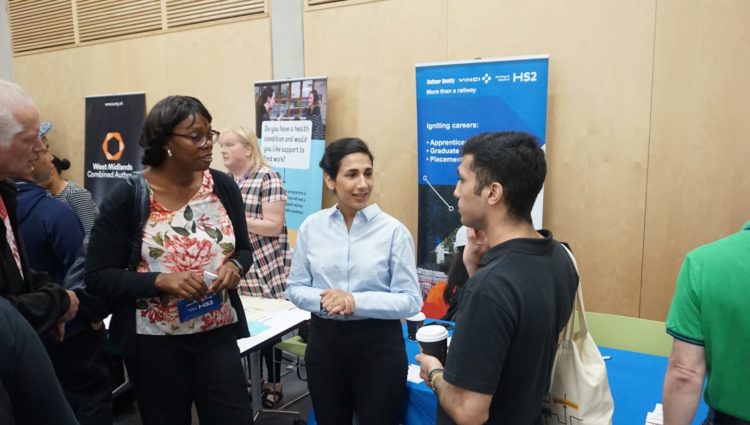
519	297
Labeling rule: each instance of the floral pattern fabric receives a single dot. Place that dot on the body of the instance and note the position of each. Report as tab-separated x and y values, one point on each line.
199	237
10	236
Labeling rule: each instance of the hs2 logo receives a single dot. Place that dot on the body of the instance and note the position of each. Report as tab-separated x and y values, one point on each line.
524	77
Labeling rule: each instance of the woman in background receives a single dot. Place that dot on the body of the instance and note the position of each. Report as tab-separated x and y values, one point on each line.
265	202
443	298
157	237
354	269
457	276
312	113
79	199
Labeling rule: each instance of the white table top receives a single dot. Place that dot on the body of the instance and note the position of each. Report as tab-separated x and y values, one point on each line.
269	318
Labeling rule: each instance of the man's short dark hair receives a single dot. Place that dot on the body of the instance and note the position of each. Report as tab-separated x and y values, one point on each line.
513	159
161	121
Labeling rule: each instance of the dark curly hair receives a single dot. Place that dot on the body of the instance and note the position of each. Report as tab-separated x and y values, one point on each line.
336	151
161	121
60	164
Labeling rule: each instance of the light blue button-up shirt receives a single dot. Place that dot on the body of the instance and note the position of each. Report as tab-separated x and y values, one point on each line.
374	261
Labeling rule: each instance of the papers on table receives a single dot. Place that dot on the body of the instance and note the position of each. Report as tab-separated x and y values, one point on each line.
265	304
261	313
656	417
256	327
268	318
413	374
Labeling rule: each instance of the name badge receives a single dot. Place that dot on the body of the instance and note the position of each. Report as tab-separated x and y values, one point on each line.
188	310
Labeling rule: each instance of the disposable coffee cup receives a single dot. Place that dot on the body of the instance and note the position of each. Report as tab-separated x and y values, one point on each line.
413	324
433	341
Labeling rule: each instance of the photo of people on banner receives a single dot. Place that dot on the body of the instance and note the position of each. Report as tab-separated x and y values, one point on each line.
292	100
290	122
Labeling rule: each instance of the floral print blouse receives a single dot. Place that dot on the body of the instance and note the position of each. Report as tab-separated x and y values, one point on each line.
198	237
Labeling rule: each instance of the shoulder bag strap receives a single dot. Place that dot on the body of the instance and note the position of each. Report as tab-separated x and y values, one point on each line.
578	305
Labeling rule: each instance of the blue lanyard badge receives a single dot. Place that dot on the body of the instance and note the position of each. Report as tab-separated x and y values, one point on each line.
191	309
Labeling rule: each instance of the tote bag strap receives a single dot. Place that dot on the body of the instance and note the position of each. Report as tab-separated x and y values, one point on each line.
578	305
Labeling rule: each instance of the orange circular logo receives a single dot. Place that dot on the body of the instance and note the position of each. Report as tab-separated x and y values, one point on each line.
120	146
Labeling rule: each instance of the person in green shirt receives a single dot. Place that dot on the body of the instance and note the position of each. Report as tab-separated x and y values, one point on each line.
710	323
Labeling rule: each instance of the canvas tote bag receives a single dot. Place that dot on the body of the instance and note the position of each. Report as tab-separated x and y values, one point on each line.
579	393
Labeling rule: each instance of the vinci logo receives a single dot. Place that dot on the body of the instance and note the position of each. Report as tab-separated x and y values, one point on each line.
113	136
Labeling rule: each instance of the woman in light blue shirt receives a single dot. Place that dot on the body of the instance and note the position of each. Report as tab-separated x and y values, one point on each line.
354	269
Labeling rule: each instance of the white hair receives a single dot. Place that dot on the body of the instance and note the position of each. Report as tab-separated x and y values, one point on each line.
11	97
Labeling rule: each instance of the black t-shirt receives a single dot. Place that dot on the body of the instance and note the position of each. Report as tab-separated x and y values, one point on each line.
507	327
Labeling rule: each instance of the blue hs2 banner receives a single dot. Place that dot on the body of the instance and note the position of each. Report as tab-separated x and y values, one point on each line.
458	100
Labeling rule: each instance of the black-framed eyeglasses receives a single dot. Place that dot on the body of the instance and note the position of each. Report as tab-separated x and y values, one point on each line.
201	140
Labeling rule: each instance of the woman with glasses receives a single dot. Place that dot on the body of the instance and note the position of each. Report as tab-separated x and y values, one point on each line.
354	269
167	251
265	201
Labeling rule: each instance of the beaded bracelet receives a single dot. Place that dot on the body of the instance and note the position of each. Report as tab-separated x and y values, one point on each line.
433	376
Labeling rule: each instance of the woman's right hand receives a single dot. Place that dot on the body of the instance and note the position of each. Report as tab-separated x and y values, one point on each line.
186	285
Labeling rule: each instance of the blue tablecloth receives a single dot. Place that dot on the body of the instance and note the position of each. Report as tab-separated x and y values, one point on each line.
635	379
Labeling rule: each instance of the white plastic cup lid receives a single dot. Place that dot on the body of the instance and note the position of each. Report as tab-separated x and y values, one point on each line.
432	333
417	317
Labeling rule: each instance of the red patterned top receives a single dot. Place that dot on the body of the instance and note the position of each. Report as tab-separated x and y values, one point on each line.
10	236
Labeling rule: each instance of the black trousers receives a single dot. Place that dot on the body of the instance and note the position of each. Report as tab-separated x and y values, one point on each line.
170	373
356	368
716	417
83	371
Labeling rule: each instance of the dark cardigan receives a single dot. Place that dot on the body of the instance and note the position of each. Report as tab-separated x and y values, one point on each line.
41	302
114	251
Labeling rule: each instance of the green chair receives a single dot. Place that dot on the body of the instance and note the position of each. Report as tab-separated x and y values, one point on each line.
629	333
295	346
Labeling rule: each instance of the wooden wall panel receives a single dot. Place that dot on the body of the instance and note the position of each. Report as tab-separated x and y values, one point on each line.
597	136
217	64
368	51
699	184
221	69
647	134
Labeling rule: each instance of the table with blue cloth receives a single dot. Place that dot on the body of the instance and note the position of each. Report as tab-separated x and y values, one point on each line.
635	379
